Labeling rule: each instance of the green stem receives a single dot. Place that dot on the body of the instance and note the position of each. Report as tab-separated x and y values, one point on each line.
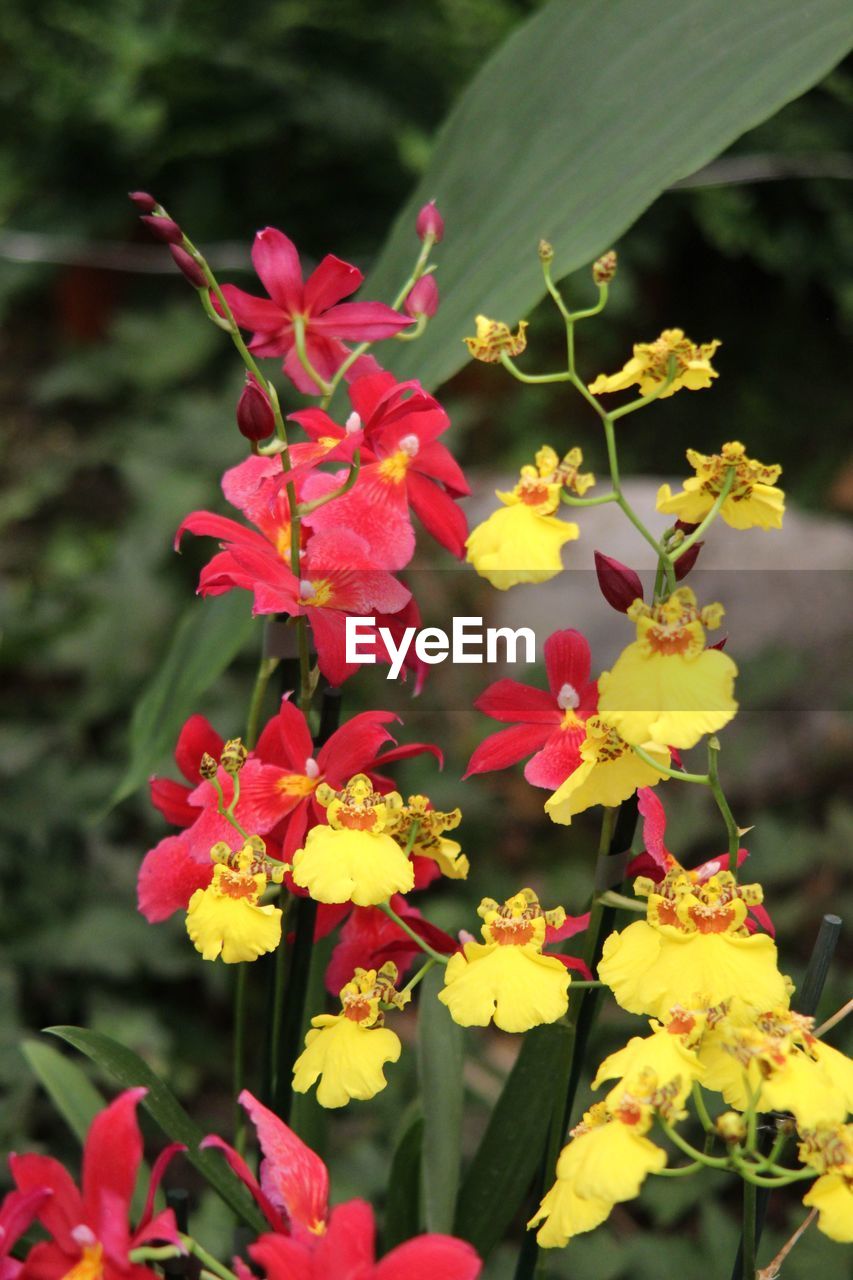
701	779
723	804
571	501
153	1253
240	1015
701	1110
532	378
266	667
609	898
285	901
713	1162
305	508
212	1264
421	973
304	359
748	1242
709	518
418	941
642	401
681	1172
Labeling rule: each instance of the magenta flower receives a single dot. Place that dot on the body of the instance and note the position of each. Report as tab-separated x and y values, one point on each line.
316	303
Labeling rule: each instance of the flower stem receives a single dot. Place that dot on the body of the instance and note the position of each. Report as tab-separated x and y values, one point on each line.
748	1242
701	1109
266	667
304	358
571	501
708	520
701	779
240	1015
723	804
421	973
418	941
211	1263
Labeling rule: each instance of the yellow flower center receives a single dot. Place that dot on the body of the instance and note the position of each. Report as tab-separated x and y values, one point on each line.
712	469
394	467
315	592
90	1266
296	784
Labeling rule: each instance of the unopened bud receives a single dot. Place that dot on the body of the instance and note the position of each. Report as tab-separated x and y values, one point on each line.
619	585
422	298
604	268
188	266
685	562
144	202
255	418
546	251
208	767
731	1126
233	756
429	222
164	229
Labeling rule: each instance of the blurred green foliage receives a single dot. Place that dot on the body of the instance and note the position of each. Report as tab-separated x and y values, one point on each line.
117	402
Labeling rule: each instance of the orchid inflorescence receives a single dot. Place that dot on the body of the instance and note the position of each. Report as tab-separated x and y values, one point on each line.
280	820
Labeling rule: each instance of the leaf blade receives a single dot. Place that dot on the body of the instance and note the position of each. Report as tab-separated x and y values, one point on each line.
440	1072
68	1087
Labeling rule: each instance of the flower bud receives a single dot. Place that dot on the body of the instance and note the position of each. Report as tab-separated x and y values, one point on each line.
164	229
144	202
546	251
731	1126
208	767
422	298
188	266
233	756
619	585
430	223
604	268
685	563
255	418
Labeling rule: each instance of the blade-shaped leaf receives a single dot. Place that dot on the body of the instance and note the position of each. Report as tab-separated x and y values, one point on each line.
404	1182
67	1085
574	126
129	1070
511	1148
440	1071
210	634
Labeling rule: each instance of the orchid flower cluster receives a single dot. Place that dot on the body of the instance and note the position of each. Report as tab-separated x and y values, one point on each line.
293	830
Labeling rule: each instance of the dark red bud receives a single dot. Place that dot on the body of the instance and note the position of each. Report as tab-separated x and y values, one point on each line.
720	644
255	417
422	298
685	563
144	202
188	266
164	229
430	223
619	585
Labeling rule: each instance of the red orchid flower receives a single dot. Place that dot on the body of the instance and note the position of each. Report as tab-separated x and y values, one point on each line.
277	786
310	1241
403	465
17	1213
656	859
315	304
89	1228
338	574
551	724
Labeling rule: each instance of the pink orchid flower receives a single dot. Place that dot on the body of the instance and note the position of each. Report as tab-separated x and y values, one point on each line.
314	304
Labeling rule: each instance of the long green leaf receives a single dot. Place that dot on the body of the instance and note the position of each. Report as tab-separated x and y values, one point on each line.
68	1087
575	125
440	1070
129	1070
402	1220
511	1148
209	635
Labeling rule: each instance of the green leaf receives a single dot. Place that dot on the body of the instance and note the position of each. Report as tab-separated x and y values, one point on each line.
440	1054
67	1085
574	126
210	634
129	1070
512	1146
402	1220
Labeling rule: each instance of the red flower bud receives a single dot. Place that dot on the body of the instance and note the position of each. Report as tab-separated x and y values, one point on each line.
164	229
255	417
619	585
422	298
144	202
188	266
720	644
685	563
430	223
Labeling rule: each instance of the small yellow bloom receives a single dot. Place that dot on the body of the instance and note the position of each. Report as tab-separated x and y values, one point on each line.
606	1161
507	979
493	337
429	839
657	1070
225	919
830	1151
667	687
776	1052
609	773
693	949
522	540
649	366
348	1051
354	858
753	500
